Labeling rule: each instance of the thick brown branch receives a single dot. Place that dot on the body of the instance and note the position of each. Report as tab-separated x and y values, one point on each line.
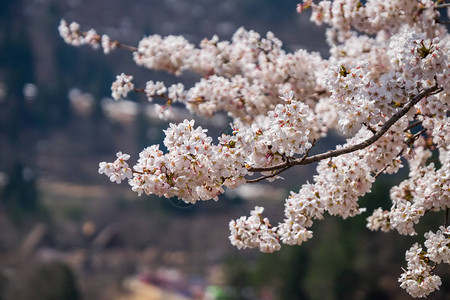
349	149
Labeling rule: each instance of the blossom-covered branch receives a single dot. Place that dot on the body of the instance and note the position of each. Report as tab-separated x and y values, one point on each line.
333	153
385	85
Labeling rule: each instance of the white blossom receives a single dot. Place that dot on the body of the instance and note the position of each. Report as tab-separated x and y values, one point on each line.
117	170
438	245
254	232
122	86
385	86
154	89
107	44
418	279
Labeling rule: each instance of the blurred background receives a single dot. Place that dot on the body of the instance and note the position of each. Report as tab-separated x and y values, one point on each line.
66	232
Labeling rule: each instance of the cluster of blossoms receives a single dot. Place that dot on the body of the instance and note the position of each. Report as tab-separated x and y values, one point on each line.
418	279
117	170
196	169
72	35
375	15
426	189
193	169
292	123
385	85
243	77
122	86
254	232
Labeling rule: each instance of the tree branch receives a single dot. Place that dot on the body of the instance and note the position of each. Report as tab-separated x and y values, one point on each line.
116	43
287	166
349	149
446	217
407	142
439	6
412	125
127	47
268	176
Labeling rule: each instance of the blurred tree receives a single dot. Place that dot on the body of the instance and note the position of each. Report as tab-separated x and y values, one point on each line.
50	281
20	194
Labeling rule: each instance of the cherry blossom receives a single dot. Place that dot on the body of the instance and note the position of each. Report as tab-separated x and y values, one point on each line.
122	86
385	87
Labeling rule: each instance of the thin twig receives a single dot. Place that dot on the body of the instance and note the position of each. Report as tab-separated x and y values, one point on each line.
283	169
127	47
446	217
163	96
412	125
370	128
349	149
416	136
118	44
382	170
407	142
444	5
286	162
267	176
307	151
